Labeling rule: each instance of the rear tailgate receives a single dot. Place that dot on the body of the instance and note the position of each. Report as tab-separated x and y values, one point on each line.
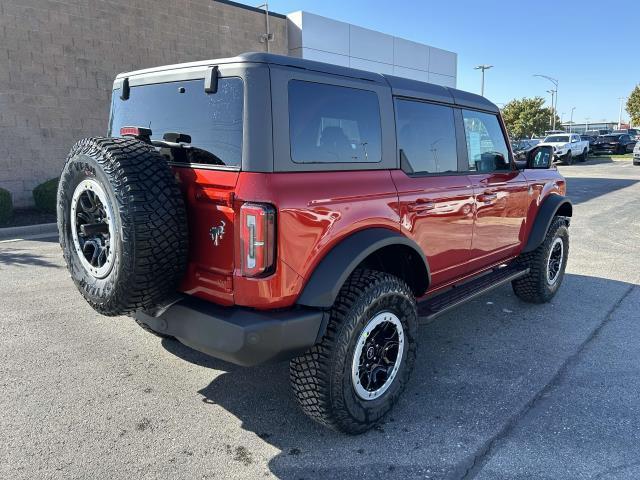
209	196
200	135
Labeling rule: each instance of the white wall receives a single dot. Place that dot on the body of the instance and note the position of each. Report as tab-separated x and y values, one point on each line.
326	40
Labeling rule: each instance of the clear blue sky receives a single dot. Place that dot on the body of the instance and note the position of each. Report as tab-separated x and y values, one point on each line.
592	48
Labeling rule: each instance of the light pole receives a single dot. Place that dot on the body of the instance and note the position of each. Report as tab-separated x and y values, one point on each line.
268	36
482	68
586	124
571	121
555	103
551	117
620	115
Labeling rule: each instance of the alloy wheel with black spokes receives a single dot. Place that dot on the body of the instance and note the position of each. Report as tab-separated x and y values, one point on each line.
555	261
378	356
92	228
352	378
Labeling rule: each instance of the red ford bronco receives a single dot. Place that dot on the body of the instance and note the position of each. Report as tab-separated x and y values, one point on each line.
265	208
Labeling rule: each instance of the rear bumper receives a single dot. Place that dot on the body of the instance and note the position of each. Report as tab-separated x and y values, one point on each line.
238	335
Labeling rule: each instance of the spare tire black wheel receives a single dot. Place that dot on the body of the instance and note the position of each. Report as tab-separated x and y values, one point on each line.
122	225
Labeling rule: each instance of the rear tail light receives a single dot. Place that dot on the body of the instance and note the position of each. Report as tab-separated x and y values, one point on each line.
257	238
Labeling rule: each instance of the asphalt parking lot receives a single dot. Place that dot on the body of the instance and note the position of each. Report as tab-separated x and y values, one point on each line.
501	390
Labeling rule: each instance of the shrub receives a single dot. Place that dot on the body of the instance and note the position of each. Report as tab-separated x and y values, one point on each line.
6	206
45	196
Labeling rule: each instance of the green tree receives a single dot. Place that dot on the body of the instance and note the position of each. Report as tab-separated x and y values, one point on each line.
528	117
633	106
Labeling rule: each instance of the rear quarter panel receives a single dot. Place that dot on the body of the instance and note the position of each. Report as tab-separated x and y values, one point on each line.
315	211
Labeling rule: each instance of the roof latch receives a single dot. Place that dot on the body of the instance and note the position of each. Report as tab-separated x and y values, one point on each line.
211	80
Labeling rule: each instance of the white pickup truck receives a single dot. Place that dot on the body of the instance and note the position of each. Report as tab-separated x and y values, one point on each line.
567	147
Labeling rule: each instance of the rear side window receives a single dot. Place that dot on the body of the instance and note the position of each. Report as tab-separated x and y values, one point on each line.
213	121
486	147
333	124
426	137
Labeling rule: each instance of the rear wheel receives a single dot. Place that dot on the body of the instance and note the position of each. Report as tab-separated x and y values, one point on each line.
546	265
585	155
355	374
568	159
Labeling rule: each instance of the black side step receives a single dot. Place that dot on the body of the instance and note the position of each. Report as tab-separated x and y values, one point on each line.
457	295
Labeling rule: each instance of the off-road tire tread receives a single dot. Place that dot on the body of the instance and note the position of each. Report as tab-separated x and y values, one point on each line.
532	287
310	373
153	223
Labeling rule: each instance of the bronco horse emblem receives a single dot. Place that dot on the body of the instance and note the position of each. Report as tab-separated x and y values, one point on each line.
217	233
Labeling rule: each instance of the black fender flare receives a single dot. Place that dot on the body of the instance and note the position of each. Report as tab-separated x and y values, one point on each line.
327	279
553	205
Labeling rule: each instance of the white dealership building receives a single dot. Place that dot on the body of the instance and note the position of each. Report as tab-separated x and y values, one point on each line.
326	40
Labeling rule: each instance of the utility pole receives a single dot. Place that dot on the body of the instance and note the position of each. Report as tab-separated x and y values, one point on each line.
571	121
482	68
622	99
555	103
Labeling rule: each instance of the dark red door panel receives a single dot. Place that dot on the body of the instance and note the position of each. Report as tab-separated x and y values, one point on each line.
437	213
501	203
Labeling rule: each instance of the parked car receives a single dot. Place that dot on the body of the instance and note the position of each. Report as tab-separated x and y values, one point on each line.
597	133
264	208
614	143
522	147
567	147
590	139
633	132
636	154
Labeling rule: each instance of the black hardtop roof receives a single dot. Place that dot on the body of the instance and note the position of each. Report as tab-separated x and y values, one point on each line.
399	86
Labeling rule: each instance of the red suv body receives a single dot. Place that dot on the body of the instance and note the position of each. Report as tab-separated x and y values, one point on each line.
461	218
306	211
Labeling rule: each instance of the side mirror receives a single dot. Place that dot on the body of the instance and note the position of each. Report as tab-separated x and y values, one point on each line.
540	157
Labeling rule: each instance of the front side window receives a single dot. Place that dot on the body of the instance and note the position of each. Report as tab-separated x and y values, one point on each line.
212	121
486	147
426	137
333	124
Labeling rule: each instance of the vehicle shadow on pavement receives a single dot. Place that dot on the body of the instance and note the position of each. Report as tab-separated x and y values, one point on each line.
583	189
477	371
23	258
597	160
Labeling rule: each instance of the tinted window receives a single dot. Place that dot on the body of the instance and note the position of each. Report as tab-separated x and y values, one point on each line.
556	139
213	121
332	124
426	137
486	147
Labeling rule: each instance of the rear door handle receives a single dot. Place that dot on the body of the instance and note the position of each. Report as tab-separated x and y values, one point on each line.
487	197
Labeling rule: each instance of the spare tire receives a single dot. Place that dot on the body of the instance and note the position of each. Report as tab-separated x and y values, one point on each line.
122	225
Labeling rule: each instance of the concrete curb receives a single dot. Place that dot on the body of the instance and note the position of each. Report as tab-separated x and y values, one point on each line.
11	233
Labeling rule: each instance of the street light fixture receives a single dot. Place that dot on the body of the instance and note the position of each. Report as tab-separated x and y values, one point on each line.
555	104
483	68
